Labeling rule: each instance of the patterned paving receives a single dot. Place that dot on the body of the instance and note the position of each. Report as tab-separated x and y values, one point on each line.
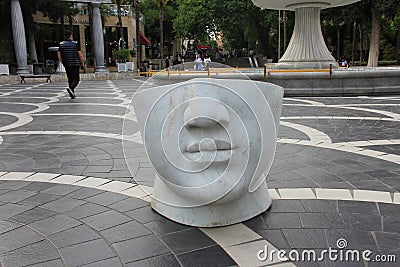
67	197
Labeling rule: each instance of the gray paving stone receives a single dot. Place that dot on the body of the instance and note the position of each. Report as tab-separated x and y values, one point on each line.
38	186
212	256
306	238
287	206
106	198
363	222
52	263
16	196
282	220
167	260
84	192
106	220
321	220
39	199
140	248
359	240
18	238
54	224
320	205
125	231
165	226
114	262
73	236
144	215
9	210
187	240
95	251
63	204
86	210
128	204
33	215
39	252
61	189
391	224
357	207
13	185
6	226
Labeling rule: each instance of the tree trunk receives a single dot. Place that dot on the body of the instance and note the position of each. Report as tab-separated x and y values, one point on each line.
375	34
161	32
338	44
32	46
137	21
398	45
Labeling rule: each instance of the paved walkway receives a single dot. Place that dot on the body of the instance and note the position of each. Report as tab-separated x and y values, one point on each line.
67	197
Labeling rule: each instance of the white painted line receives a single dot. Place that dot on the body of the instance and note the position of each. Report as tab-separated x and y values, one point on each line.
296	193
333	194
2	173
396	199
313	134
92	182
15	175
245	255
231	235
372	196
115	186
273	193
41	177
67	179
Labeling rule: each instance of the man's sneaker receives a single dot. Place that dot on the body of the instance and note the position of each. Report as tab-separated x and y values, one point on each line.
71	94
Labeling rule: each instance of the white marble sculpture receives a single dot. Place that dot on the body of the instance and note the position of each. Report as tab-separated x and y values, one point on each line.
307	48
212	143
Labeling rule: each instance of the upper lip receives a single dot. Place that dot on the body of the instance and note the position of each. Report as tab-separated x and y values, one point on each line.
219	145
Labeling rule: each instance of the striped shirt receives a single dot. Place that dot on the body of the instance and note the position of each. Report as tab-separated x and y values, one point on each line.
69	53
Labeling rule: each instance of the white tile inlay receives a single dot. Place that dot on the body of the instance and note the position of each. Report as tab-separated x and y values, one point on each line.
67	179
15	175
231	235
2	173
115	186
396	199
296	193
334	194
274	194
41	177
136	191
92	182
245	255
372	196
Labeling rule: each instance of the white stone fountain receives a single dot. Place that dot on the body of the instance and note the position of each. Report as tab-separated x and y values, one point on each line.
307	48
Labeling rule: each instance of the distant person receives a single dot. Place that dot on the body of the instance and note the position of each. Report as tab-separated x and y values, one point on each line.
345	64
70	55
198	62
167	62
207	61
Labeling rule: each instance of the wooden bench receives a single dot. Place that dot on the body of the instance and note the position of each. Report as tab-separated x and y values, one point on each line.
34	76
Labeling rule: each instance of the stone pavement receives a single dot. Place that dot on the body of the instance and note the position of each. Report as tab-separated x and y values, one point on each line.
67	197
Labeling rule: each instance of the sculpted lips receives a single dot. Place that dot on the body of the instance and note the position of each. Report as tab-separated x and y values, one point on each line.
209	145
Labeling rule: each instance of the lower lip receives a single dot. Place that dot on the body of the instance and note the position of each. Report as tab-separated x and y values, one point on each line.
208	156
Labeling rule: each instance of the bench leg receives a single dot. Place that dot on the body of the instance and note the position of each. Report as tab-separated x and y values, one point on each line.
22	80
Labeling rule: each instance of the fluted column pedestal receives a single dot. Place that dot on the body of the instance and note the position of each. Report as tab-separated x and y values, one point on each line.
307	48
98	38
18	30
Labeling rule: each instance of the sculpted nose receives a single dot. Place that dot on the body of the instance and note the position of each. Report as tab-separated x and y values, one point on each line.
203	113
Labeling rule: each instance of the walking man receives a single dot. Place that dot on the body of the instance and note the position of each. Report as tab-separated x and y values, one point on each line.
70	55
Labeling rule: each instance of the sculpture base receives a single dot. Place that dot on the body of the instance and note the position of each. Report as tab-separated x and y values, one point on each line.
212	215
306	65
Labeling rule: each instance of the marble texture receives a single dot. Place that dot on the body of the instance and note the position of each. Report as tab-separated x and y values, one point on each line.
212	143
